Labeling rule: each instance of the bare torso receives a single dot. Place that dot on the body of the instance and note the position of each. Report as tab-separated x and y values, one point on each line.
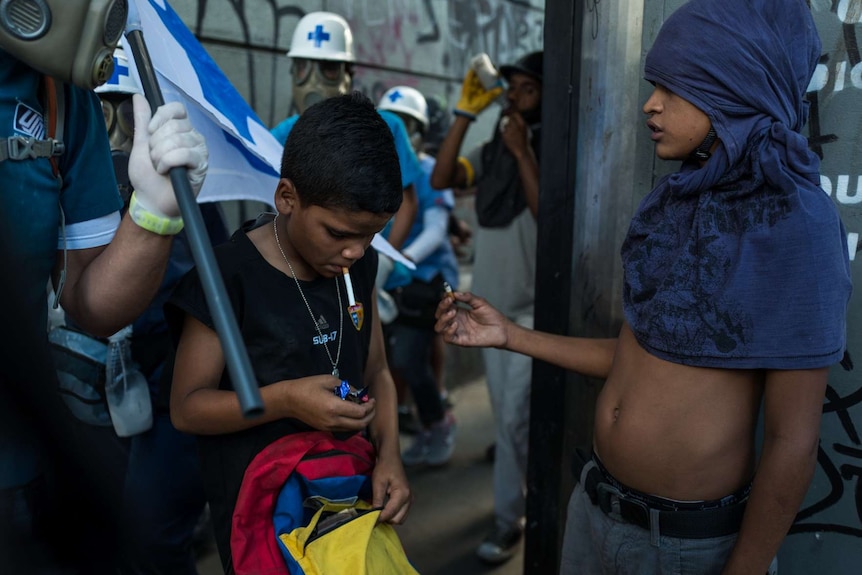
675	431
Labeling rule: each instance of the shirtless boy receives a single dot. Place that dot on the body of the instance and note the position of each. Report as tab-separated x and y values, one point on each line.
735	294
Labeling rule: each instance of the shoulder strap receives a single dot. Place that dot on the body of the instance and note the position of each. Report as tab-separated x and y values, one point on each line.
54	98
55	107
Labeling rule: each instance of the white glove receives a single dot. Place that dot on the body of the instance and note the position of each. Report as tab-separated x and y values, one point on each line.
165	141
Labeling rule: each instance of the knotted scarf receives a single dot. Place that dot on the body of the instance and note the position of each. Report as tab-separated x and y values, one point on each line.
741	263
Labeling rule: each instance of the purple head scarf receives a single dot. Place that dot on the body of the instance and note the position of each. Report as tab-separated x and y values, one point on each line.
742	263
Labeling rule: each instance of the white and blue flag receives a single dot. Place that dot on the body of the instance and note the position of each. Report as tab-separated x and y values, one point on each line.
244	158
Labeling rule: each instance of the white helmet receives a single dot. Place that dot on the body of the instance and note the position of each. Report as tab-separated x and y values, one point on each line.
406	100
322	36
120	82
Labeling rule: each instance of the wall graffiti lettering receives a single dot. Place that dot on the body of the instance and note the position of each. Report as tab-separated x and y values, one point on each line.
841	463
837	76
834	501
502	29
844	193
849	11
853	245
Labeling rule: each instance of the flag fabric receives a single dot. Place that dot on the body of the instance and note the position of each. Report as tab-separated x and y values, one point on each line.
244	158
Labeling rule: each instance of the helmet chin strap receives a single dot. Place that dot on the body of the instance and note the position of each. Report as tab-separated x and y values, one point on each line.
702	152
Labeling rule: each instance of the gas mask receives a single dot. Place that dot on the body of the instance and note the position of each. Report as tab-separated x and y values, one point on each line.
70	40
317	80
415	130
120	123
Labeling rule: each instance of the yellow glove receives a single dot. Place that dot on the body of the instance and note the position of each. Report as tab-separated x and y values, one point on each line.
474	96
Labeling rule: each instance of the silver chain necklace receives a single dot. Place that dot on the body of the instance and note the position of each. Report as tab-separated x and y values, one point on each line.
308	307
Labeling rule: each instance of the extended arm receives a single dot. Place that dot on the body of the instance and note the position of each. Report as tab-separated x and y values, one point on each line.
483	326
390	488
198	406
793	403
448	171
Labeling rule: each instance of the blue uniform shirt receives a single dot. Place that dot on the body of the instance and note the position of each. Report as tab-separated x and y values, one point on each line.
30	201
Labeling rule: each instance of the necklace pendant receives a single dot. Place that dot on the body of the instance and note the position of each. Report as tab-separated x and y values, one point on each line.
357	315
335	372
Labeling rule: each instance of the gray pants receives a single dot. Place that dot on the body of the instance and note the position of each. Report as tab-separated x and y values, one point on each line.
508	375
598	543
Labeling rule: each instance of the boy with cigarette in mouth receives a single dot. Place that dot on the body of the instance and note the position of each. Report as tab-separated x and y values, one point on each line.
302	285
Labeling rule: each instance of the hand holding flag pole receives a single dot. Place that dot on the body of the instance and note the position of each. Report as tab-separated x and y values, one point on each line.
235	353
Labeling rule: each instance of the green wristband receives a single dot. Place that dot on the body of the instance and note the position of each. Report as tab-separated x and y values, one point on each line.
152	222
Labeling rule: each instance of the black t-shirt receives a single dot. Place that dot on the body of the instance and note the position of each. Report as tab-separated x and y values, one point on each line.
283	342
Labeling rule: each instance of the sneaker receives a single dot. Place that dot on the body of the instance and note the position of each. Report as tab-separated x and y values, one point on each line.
417	454
441	442
499	546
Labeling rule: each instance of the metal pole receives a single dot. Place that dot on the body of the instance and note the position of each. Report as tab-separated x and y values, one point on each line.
548	461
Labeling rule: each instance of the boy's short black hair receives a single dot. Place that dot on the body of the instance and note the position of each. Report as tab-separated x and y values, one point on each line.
341	154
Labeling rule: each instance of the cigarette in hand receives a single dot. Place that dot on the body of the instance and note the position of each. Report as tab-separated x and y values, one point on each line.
351	298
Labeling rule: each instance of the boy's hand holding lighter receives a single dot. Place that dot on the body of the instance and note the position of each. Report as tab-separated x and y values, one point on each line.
312	401
477	325
347	392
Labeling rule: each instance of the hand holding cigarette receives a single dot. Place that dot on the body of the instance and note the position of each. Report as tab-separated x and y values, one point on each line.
473	323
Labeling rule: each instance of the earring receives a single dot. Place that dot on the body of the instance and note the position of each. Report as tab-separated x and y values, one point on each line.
702	152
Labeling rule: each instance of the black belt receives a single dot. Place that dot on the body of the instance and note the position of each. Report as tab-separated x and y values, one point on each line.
684	524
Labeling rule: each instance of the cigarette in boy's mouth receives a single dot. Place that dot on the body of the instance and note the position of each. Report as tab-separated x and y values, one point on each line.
351	298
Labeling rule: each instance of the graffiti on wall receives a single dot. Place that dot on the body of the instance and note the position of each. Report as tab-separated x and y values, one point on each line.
838	72
840	461
420	43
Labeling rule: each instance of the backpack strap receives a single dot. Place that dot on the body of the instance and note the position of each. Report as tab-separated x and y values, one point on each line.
55	105
54	102
25	148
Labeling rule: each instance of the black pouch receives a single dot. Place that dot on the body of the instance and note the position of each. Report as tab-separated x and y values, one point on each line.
80	362
417	302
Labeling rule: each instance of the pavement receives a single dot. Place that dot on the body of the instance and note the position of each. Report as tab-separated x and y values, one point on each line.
453	506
